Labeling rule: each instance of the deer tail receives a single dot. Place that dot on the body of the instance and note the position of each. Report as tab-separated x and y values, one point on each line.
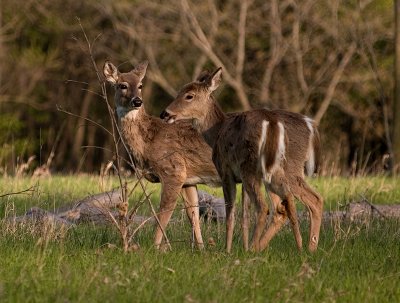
272	149
313	152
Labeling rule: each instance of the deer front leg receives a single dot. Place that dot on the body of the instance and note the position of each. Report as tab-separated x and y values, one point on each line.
229	189
169	196
191	199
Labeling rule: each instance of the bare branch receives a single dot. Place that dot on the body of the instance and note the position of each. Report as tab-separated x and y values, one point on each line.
156	75
278	50
298	54
214	29
25	191
200	40
241	39
334	82
59	108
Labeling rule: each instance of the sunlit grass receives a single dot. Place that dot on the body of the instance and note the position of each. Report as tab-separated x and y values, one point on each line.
53	192
354	263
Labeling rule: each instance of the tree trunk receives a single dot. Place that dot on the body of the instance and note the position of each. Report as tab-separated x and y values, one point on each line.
396	101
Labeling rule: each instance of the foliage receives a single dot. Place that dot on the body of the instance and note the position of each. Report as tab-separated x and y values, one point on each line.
328	59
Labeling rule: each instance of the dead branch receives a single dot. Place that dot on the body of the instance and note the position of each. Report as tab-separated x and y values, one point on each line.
213	31
241	39
117	137
25	191
334	82
199	39
278	50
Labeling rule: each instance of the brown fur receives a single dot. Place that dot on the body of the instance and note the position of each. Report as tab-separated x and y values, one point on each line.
175	155
235	139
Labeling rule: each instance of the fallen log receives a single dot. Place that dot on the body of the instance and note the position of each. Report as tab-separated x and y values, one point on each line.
211	206
97	209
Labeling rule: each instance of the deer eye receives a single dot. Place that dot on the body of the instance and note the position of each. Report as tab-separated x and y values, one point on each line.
189	98
123	86
140	86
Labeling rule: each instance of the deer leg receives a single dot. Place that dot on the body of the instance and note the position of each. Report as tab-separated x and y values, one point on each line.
294	222
191	199
253	187
279	187
245	218
229	188
279	217
169	195
314	203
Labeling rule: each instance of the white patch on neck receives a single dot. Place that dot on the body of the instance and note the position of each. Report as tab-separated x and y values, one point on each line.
310	161
123	114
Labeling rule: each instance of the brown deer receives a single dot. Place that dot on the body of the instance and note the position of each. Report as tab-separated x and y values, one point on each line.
174	155
255	147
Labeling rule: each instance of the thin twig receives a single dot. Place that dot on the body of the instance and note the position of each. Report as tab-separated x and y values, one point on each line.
117	136
25	191
59	108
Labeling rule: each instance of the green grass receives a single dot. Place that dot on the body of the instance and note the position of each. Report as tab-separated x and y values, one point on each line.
354	263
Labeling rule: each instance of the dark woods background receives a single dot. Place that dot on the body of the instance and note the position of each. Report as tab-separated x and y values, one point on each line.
332	60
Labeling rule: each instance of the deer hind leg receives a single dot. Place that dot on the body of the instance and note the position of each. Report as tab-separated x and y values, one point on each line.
294	222
191	199
279	216
252	186
314	202
245	219
169	196
229	188
286	209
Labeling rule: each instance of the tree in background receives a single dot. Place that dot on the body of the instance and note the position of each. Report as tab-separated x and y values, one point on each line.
396	99
331	60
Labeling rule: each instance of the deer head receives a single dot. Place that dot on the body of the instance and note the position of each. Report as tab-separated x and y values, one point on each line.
128	86
194	100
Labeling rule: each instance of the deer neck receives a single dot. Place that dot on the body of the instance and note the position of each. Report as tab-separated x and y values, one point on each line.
134	126
212	123
125	115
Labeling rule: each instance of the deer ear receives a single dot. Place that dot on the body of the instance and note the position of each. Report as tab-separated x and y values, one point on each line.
215	80
140	69
203	77
110	72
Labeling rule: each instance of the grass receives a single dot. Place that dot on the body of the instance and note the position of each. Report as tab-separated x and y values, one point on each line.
354	263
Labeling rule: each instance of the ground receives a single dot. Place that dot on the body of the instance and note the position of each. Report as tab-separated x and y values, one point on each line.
354	262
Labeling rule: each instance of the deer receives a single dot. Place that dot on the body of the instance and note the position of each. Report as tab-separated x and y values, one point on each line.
174	155
255	147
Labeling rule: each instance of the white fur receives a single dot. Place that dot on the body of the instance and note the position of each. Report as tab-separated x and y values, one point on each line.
281	152
280	156
123	114
310	162
261	147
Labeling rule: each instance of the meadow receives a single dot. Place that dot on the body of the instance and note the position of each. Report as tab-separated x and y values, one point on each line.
355	262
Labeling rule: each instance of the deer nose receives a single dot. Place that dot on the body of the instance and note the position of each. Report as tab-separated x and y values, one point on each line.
136	102
168	117
164	115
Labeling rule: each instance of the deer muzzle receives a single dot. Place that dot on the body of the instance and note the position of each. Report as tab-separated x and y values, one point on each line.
167	117
136	102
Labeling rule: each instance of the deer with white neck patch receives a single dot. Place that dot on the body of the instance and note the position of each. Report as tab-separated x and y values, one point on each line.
256	147
174	155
